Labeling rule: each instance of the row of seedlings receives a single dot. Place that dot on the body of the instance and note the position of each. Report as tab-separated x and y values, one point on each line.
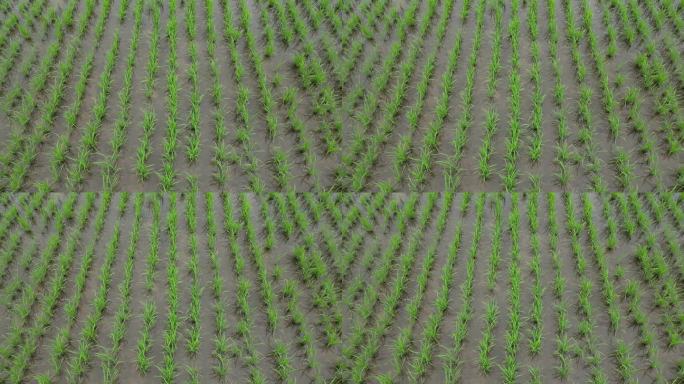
88	142
422	358
40	274
149	122
109	168
22	163
80	356
45	312
149	315
59	347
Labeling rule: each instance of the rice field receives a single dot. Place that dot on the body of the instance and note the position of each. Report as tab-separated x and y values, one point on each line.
341	192
341	288
349	96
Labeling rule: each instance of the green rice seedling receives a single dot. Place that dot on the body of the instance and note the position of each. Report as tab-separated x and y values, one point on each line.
535	150
257	255
27	349
88	142
381	274
283	364
153	52
168	368
634	308
311	264
486	150
244	327
651	72
403	342
142	167
231	33
424	164
653	266
60	151
625	363
392	109
286	224
11	214
370	250
609	103
536	312
194	313
256	57
360	363
559	91
144	345
495	61
598	249
21	166
305	144
379	85
586	310
13	241
509	368
8	26
152	259
221	340
37	84
221	149
291	293
192	149
575	33
81	356
40	272
465	121
611	239
285	28
109	358
9	60
495	255
487	342
628	223
563	368
452	357
282	169
109	168
510	174
669	200
168	174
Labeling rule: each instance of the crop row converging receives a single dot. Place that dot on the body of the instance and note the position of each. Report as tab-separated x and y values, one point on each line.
304	95
373	287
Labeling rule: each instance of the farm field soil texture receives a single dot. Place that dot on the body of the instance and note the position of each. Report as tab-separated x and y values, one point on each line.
341	288
311	95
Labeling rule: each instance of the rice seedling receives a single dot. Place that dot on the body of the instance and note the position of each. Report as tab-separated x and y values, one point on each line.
25	351
536	312
80	358
586	325
487	342
89	138
27	157
39	275
245	325
109	168
168	368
